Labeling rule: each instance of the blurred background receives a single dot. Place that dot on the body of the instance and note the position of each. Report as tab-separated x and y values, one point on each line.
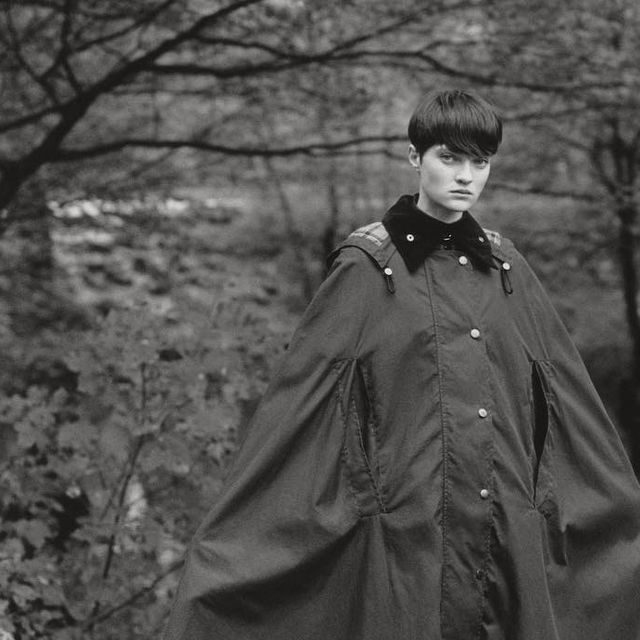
172	176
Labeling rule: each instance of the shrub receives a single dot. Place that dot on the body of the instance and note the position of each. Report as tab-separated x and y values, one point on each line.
101	485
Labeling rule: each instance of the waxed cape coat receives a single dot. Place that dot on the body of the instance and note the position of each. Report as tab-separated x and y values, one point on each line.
430	462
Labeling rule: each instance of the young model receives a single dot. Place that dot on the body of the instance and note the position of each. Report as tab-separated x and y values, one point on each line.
431	460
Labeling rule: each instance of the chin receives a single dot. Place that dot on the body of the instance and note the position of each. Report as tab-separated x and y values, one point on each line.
455	208
460	204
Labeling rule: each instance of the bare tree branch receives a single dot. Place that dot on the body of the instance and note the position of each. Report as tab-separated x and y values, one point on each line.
24	63
311	148
143	19
74	109
248	44
539	191
493	81
65	50
127	69
561	135
288	60
544	114
28	119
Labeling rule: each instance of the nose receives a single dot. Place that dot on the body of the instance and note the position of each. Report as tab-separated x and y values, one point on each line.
464	174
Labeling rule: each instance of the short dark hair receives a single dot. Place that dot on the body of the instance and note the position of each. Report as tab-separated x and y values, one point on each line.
461	120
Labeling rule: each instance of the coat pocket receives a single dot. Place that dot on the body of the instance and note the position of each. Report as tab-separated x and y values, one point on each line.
545	425
540	427
360	437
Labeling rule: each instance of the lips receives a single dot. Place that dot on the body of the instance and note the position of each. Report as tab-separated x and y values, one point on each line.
462	192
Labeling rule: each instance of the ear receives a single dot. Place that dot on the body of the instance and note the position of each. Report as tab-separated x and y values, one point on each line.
414	157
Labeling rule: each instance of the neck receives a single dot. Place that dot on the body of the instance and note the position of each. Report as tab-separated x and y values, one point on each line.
439	213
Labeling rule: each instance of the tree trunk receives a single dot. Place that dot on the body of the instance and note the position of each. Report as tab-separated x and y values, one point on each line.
295	238
10	182
331	227
27	264
35	294
630	391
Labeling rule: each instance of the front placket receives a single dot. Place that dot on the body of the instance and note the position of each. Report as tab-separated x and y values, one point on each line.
456	288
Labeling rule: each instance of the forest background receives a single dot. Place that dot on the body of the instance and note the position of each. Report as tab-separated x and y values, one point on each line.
172	174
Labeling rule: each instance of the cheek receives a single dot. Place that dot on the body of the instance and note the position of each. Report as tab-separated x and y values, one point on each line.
439	178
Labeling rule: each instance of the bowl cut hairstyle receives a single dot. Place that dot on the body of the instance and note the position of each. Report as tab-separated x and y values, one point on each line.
461	120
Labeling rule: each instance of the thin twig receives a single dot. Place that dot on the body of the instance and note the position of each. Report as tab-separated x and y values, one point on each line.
133	459
132	599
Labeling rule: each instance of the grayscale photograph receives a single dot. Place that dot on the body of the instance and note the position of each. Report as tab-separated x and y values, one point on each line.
319	320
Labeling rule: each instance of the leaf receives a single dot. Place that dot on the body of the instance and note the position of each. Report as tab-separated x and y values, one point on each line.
12	549
59	398
76	435
52	595
22	594
67	634
6	628
27	435
35	532
114	441
12	409
153	458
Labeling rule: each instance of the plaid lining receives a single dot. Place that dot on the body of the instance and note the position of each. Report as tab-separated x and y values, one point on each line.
493	236
374	232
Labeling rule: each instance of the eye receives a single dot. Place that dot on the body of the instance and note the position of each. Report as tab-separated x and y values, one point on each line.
447	157
481	162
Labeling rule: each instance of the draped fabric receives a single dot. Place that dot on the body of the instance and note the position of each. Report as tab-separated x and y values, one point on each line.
430	462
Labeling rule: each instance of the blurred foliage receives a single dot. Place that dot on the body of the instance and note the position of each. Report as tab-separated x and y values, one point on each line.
106	466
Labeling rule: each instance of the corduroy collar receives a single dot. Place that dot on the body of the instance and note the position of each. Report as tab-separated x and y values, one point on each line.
416	234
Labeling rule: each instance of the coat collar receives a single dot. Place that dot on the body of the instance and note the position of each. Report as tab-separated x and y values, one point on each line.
417	234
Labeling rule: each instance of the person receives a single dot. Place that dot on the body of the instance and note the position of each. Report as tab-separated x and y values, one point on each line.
431	460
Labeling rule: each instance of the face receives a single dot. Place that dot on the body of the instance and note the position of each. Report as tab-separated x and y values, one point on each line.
450	182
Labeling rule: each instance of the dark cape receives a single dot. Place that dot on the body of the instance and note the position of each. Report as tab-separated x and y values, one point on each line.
430	462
